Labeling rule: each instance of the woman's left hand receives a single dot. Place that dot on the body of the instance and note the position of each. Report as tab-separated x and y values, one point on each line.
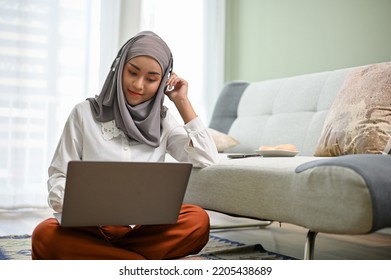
177	92
177	88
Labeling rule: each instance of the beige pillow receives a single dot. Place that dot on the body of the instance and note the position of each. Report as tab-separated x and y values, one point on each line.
222	140
359	121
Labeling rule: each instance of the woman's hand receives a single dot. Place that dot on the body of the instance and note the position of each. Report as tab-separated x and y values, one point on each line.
176	90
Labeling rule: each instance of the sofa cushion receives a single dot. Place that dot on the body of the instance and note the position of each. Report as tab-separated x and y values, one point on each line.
222	140
287	110
359	121
269	188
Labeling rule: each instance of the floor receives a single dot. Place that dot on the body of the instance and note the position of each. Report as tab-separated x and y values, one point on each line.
284	239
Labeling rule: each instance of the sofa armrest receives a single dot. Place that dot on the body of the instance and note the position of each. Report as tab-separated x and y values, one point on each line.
375	170
226	107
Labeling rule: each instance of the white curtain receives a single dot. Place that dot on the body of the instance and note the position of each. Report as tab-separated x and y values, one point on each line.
194	30
47	61
56	53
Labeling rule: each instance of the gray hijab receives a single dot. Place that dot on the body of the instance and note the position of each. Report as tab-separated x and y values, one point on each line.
143	122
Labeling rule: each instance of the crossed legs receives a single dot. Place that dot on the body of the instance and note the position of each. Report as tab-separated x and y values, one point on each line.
188	236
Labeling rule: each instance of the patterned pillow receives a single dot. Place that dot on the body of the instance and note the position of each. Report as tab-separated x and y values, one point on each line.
222	140
359	121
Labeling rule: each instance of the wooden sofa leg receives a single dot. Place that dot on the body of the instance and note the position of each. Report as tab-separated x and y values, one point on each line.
309	247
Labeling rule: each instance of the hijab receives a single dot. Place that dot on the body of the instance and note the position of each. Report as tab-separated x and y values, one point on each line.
142	122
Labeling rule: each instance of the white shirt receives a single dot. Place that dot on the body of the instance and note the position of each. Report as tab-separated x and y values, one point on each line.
84	138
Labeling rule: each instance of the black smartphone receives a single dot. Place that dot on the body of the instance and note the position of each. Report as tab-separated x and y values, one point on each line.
233	156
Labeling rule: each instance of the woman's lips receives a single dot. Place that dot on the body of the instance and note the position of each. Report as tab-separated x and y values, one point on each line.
132	93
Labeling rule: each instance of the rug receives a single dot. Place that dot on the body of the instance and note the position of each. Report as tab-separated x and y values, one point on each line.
15	247
219	248
18	247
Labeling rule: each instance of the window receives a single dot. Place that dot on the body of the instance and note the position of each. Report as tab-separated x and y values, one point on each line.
194	30
56	53
45	62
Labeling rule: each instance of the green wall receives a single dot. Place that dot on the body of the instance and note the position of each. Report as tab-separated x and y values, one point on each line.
280	38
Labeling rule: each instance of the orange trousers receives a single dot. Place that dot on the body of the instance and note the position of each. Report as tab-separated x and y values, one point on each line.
189	235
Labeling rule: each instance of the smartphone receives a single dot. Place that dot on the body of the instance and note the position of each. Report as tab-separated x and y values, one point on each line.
233	156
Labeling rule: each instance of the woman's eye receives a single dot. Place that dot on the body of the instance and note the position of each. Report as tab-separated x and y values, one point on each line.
132	73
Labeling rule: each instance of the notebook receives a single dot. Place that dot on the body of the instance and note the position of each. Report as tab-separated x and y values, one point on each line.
99	193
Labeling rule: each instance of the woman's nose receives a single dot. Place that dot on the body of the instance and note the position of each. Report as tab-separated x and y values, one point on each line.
138	84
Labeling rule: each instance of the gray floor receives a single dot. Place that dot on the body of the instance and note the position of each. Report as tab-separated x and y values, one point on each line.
284	239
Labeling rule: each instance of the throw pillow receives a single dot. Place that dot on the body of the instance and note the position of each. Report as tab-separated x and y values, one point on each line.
222	140
359	120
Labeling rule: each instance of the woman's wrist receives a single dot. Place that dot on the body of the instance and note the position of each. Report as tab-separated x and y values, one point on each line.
185	109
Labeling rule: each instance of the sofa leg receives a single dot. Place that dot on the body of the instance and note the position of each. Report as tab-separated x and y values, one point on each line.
309	246
259	224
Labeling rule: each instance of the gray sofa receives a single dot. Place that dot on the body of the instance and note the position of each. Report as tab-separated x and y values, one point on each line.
346	194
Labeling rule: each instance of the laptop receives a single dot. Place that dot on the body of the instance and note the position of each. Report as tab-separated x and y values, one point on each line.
99	193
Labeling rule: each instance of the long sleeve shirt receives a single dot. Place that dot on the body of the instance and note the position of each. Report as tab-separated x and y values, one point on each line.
84	138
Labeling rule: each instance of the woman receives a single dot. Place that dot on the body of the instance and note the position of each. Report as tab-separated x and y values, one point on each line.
128	122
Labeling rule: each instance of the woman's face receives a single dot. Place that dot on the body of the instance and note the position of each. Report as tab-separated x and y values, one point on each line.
141	79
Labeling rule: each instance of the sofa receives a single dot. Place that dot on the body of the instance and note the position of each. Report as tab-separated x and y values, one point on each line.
340	180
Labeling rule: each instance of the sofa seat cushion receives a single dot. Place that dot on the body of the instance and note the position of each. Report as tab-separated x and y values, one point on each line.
332	199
